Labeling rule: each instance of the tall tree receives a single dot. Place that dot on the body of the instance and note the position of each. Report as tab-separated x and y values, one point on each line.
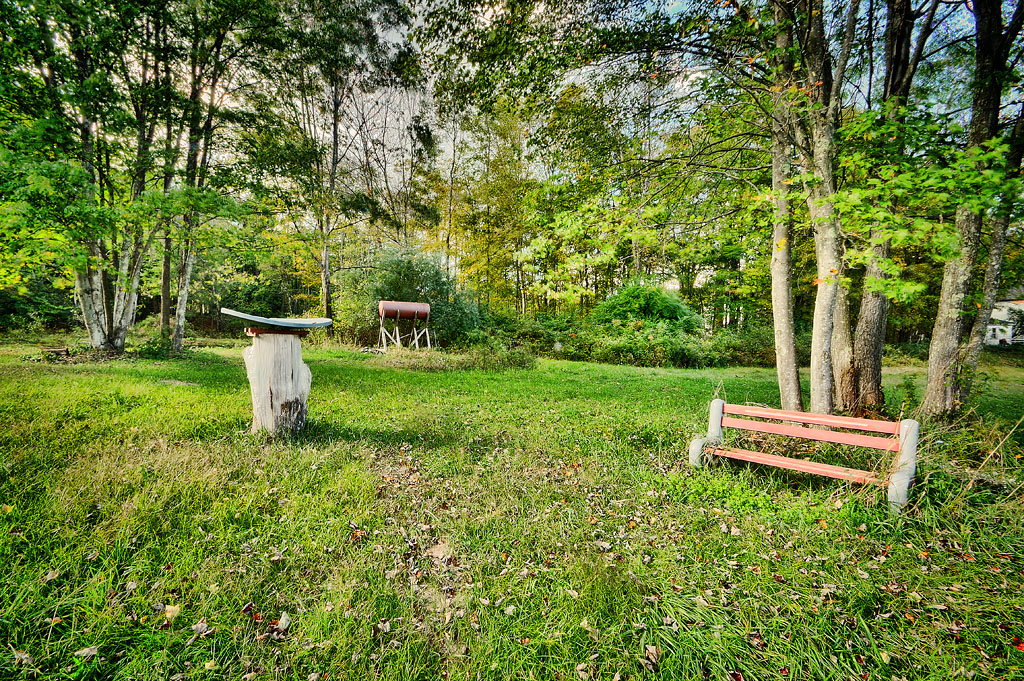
98	73
993	43
333	93
814	127
786	366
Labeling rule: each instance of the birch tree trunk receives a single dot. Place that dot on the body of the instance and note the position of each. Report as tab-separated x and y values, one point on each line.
184	279
325	281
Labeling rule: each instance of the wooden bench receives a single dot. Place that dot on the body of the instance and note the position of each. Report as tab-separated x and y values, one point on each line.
899	438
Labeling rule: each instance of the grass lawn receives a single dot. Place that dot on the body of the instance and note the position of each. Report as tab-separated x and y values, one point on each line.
530	524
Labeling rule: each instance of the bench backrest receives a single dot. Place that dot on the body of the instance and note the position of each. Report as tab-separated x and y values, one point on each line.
780	422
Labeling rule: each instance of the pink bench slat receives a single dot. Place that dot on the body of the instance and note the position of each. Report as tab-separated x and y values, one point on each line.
871	425
839	472
883	443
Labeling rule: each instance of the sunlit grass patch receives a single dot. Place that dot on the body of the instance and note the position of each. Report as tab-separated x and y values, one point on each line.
538	523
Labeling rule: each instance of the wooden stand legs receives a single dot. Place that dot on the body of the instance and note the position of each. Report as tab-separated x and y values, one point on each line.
279	382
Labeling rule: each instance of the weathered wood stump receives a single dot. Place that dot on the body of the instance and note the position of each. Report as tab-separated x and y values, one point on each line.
278	379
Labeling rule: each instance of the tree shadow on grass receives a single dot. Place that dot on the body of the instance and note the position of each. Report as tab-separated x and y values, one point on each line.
322	432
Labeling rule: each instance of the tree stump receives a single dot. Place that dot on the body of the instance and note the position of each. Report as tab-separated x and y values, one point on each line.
278	380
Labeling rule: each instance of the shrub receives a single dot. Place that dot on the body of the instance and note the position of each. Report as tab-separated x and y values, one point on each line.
416	279
157	347
638	301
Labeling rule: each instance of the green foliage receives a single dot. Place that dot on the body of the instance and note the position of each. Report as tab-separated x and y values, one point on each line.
39	305
637	301
159	346
907	175
412	278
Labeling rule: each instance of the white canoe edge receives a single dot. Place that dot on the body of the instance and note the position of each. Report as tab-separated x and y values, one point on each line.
314	323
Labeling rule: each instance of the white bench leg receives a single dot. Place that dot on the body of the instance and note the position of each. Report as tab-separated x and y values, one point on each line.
906	465
714	435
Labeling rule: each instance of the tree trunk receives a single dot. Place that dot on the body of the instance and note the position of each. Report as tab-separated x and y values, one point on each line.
943	361
991	54
165	285
902	58
92	298
843	372
990	288
993	268
325	284
826	248
184	277
869	340
279	382
816	139
786	365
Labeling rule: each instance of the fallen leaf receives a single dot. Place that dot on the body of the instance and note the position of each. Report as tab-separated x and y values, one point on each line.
50	576
21	657
284	622
91	651
650	658
210	664
438	552
592	632
172	611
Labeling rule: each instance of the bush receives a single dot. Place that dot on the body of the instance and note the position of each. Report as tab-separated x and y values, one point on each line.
157	347
638	301
416	279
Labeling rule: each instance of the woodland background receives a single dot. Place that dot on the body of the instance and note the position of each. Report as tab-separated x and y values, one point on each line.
785	183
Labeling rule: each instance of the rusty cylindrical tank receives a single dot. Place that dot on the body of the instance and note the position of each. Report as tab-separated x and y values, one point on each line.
393	309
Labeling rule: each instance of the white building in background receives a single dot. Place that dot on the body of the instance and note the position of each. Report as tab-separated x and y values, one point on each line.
1001	328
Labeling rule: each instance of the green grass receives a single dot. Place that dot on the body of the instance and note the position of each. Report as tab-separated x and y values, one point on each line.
524	524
